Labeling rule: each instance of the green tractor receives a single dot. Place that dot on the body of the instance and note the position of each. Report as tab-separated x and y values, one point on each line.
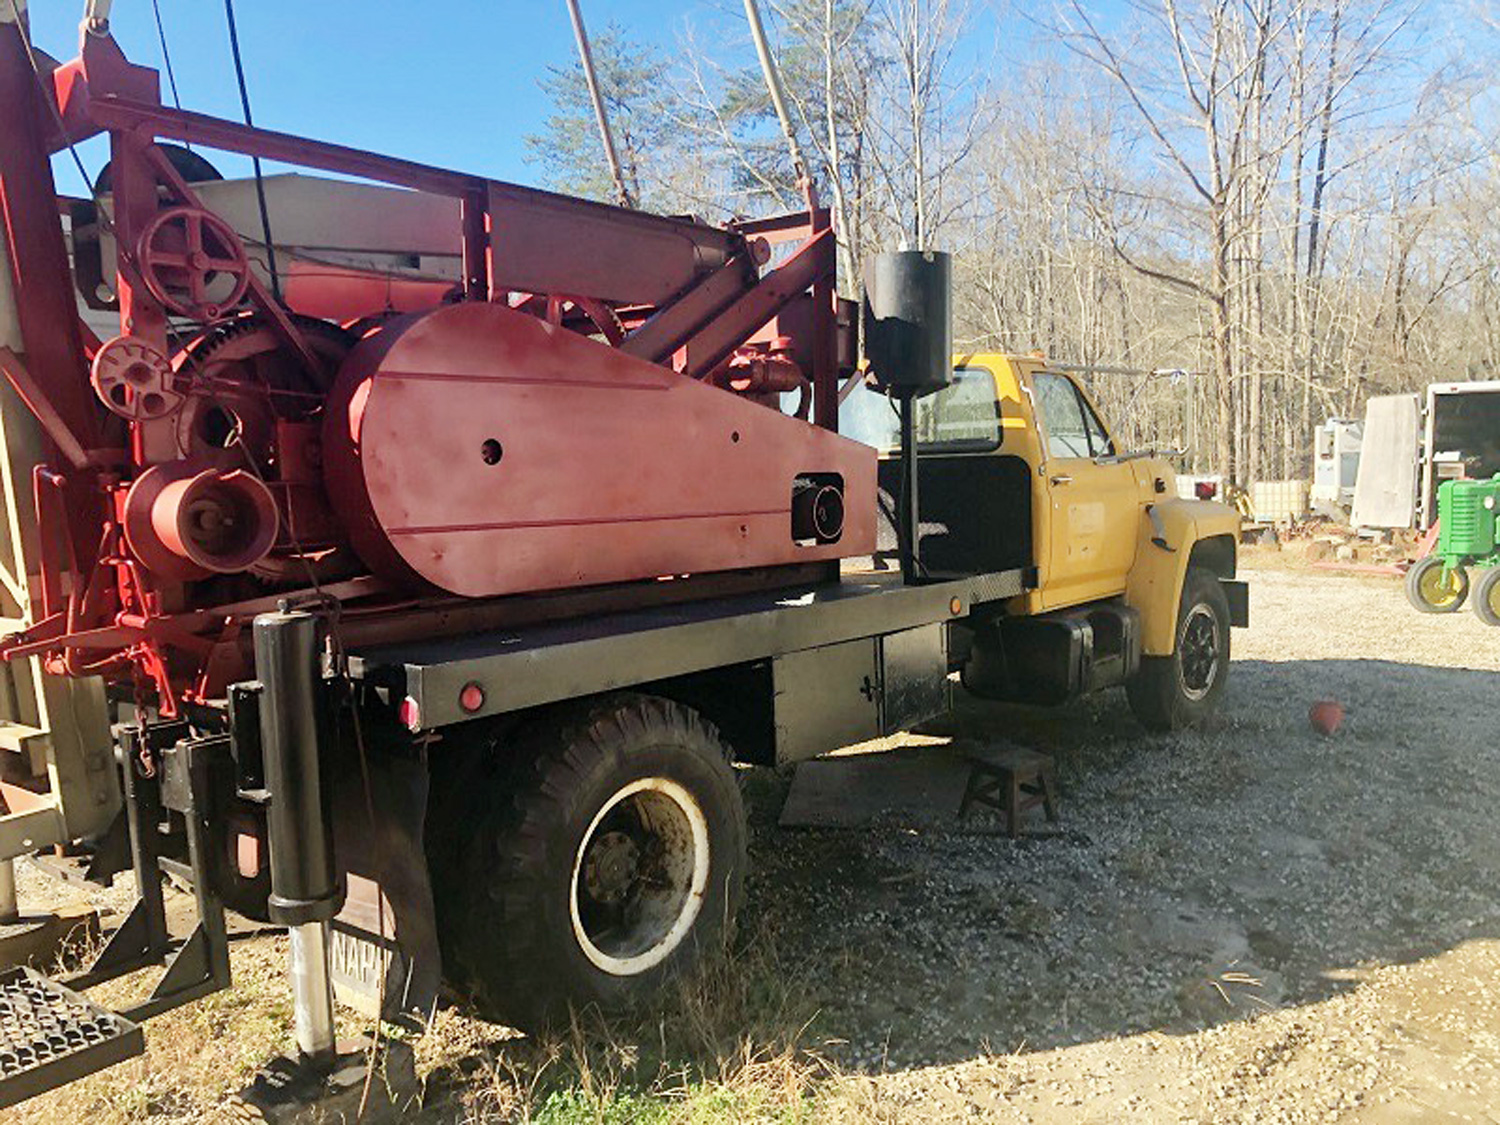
1439	583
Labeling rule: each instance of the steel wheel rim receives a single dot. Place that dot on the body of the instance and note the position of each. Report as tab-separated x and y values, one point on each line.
639	876
1439	586
1198	652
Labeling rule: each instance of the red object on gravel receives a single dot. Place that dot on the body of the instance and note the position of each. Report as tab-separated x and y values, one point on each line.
1326	715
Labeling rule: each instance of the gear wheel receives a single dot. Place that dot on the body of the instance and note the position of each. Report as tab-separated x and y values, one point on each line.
251	339
241	381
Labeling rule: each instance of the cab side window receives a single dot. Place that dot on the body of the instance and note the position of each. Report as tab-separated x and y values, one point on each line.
1073	429
1061	414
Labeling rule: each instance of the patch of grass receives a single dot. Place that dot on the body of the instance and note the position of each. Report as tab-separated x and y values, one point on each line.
733	1042
703	1103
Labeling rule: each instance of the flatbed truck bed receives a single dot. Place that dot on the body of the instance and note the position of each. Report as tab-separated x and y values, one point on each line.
529	666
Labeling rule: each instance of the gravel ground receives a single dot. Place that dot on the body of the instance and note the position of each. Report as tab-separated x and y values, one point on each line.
1251	922
1246	923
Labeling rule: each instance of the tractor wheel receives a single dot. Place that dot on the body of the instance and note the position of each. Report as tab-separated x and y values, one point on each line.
611	858
1487	597
1181	690
1432	589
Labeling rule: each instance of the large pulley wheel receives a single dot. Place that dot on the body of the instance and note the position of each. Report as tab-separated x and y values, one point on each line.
193	263
606	857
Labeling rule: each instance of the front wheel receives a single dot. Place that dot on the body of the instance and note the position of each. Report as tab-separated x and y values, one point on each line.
1487	597
614	860
1432	587
1181	690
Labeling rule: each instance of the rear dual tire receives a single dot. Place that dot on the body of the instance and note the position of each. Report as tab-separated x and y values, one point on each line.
609	859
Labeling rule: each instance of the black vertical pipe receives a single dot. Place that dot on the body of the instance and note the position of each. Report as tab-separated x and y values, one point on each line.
294	727
908	534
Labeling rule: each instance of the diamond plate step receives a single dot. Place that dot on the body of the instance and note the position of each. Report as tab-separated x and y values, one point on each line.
50	1036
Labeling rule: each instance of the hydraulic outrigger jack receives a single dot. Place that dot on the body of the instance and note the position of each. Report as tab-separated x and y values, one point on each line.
305	890
328	1080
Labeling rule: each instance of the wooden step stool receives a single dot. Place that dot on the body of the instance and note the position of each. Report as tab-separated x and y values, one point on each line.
1011	782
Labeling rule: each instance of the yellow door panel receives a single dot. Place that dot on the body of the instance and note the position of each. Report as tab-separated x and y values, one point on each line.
1092	499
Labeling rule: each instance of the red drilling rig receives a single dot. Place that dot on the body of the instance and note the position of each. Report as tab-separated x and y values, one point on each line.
422	610
595	400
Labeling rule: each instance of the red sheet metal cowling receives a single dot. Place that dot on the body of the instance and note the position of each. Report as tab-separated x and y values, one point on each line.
488	452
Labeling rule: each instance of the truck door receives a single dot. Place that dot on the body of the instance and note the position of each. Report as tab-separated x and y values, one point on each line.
1090	496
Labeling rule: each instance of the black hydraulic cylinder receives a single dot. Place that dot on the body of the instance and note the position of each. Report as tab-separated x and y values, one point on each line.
294	730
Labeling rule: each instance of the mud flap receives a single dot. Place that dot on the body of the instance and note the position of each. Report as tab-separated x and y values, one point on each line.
1238	596
388	919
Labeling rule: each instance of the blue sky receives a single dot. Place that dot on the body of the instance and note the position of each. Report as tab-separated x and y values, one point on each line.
447	82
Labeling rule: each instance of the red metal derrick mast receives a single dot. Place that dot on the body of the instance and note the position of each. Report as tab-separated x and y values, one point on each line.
593	402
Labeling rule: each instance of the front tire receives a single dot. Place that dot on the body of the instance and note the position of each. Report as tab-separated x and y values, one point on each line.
1487	597
612	859
1433	589
1181	690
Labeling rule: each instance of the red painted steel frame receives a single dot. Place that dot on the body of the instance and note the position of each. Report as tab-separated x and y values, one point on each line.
690	296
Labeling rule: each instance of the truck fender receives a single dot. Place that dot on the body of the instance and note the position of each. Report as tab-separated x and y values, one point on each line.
1175	534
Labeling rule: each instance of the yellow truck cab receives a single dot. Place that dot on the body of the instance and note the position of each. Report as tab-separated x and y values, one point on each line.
1125	582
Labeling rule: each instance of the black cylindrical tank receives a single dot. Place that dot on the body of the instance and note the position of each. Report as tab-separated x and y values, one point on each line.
909	321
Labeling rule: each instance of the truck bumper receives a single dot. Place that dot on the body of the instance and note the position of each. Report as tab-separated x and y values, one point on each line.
1238	594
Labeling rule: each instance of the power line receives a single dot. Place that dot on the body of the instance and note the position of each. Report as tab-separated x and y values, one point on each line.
260	185
166	55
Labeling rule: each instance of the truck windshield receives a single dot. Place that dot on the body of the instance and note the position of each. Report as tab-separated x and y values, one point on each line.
963	417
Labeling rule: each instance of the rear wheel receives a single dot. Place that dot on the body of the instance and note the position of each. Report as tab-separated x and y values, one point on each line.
1487	597
1181	690
1433	588
613	860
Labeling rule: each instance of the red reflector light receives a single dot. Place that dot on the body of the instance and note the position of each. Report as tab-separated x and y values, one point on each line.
247	855
409	715
1205	490
471	698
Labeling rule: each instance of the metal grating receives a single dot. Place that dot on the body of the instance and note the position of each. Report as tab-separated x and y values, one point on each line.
50	1036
